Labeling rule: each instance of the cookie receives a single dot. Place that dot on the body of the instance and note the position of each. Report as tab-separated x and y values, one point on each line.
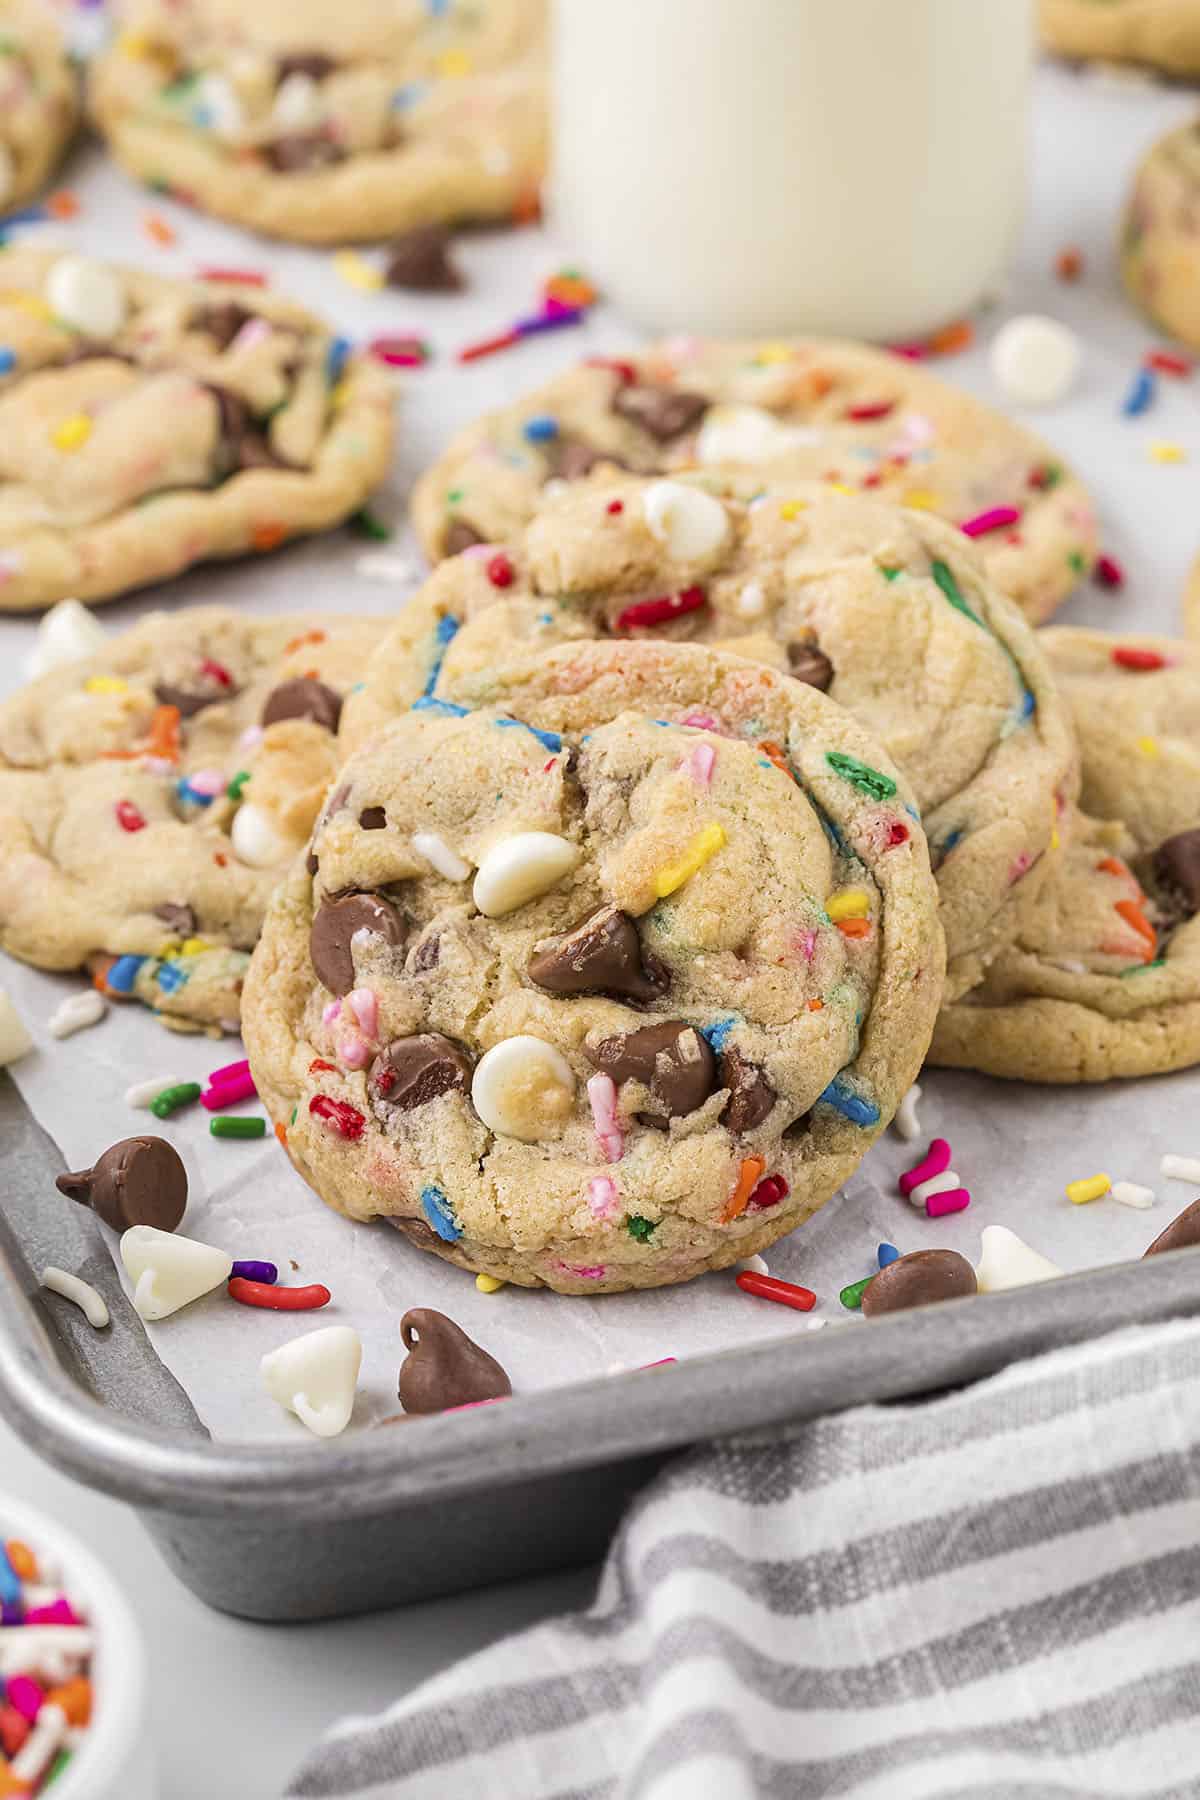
1162	34
148	424
330	123
846	414
38	101
606	982
891	612
1104	977
1160	234
150	797
1191	602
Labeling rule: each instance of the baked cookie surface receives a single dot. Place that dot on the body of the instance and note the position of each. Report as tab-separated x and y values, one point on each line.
1104	977
890	612
1160	234
150	797
1163	34
148	424
326	123
612	979
39	103
846	414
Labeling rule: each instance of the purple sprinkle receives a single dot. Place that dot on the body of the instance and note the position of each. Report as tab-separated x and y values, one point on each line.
11	1613
257	1271
571	315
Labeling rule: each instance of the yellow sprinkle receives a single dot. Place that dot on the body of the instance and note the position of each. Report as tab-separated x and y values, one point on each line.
774	353
452	63
105	684
1148	746
791	509
848	903
72	433
706	843
1089	1187
487	1284
921	500
136	43
169	947
339	395
193	946
1168	453
357	271
1055	840
33	304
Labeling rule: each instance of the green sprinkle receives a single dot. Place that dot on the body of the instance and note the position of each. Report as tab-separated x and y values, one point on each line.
851	1297
861	775
56	1768
292	1120
1078	561
172	1098
889	574
454	496
944	577
238	1127
641	1229
234	790
1160	962
1049	476
367	525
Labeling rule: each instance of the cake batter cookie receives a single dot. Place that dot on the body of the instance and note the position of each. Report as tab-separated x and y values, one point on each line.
1162	34
609	981
148	424
890	612
38	101
845	414
1160	234
326	123
1104	977
151	796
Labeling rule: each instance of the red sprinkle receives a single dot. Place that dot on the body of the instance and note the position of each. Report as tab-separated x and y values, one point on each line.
768	1287
769	1192
615	506
625	370
129	817
871	409
339	1115
1130	657
500	571
216	672
243	277
897	834
1168	362
1042	477
1108	572
910	352
279	1299
319	1062
992	520
657	612
488	346
1068	264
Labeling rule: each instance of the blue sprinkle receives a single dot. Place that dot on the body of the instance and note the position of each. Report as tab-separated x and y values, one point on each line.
545	618
852	1106
912	812
121	976
8	359
550	739
409	95
171	977
831	831
28	215
951	843
443	636
888	1253
1028	705
188	794
1140	394
438	8
436	1208
447	707
540	430
717	1034
335	359
10	1585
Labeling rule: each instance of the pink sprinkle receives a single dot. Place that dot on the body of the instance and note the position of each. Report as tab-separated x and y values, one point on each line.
594	1272
10	564
952	1201
59	1612
254	331
660	1363
157	765
473	552
332	1012
1108	572
207	781
935	1162
25	1695
354	1051
992	520
808	944
912	352
700	764
228	1093
602	1196
703	721
365	1007
602	1092
1020	865
228	1072
251	738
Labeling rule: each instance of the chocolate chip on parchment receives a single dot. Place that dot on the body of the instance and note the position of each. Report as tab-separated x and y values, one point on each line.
411	1071
1177	867
918	1279
177	917
809	664
444	1367
333	929
671	1059
1180	1234
460	536
140	1181
313	63
420	259
751	1095
303	698
664	412
602	955
300	152
372	818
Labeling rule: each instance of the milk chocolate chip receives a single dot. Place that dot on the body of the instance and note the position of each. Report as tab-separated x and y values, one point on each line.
372	818
427	954
303	698
140	1181
1177	867
570	459
809	664
603	955
671	1059
664	412
177	918
313	63
241	444
918	1279
751	1095
299	151
412	1071
222	322
444	1367
420	259
1180	1234
190	701
460	535
333	929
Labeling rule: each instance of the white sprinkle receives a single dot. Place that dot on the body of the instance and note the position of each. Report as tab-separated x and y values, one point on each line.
383	565
73	1287
755	1265
41	1746
817	1324
15	1041
937	1184
519	869
1130	1194
438	853
143	1092
751	603
76	1013
1069	965
906	1122
24	1648
67	633
1181	1168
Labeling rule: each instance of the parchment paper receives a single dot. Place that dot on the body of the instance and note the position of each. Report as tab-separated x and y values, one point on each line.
1015	1146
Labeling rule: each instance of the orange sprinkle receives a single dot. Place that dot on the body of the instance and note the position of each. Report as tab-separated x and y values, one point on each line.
1133	916
854	928
62	204
164	733
306	637
1112	865
100	968
268	536
816	1005
24	1562
281	1133
10	1787
959	336
570	290
158	228
774	753
220	859
1068	264
75	1698
119	755
527	208
747	1181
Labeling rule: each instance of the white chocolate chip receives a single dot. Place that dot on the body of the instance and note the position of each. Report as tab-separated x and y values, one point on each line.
168	1271
297	102
1006	1261
689	523
523	1088
87	295
67	633
256	839
8	173
76	1014
751	603
1035	360
80	1292
518	869
440	856
315	1377
15	1041
221	107
747	434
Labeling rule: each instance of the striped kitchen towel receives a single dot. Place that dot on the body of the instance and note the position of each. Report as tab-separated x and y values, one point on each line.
993	1594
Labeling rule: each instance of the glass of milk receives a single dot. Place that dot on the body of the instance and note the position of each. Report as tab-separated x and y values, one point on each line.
851	167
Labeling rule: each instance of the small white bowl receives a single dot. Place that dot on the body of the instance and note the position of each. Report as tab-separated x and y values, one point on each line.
114	1760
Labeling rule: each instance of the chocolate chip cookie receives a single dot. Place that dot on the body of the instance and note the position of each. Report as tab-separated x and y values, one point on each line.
844	414
39	104
151	795
1162	34
608	981
149	424
1160	232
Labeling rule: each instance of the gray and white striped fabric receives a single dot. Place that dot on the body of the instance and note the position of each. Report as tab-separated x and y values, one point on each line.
994	1594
